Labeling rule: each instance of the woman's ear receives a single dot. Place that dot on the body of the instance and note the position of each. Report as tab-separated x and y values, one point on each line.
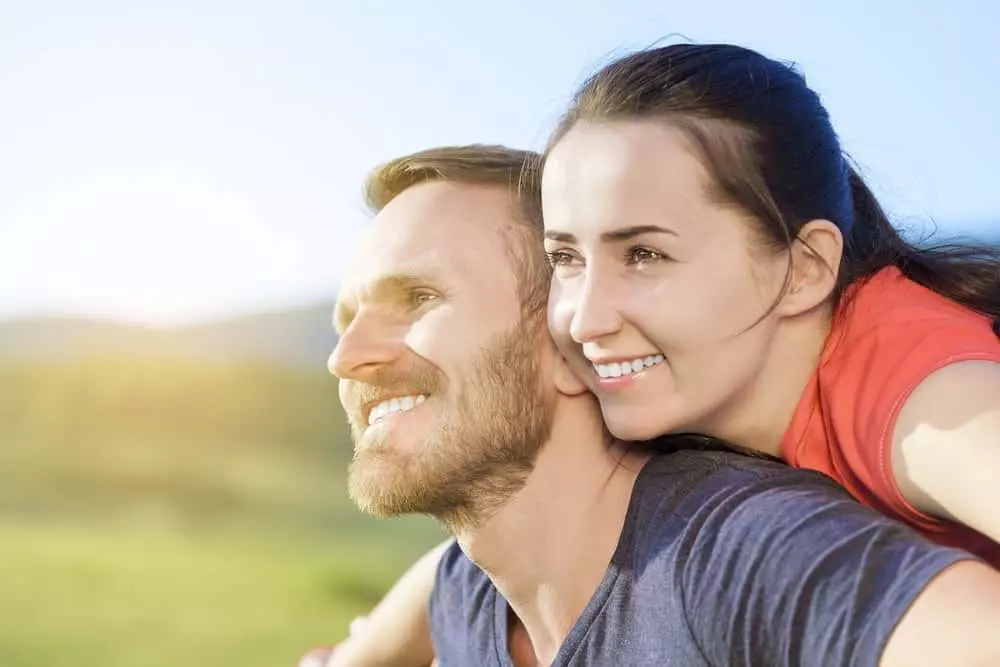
816	254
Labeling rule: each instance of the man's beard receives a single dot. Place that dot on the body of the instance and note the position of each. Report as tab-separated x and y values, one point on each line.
481	453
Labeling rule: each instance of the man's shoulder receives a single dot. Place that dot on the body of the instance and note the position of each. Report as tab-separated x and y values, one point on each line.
682	473
700	507
680	495
739	533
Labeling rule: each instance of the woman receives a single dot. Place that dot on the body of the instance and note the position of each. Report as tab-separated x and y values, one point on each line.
719	267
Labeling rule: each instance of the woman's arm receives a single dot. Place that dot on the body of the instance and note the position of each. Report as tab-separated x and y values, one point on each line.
397	632
952	622
946	446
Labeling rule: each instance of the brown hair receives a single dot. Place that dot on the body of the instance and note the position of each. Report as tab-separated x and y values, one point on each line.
479	164
768	143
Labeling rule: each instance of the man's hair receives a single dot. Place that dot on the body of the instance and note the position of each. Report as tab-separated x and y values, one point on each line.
518	171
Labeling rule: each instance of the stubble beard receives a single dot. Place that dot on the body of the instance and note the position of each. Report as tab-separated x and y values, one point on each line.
482	453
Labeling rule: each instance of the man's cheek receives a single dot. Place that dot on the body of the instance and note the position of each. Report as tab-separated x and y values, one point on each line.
436	337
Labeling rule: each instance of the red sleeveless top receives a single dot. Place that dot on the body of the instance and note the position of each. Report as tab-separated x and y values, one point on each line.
889	336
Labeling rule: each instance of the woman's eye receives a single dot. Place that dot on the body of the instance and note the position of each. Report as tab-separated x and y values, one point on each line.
639	256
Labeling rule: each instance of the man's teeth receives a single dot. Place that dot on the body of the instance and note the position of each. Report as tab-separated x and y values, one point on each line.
617	369
394	405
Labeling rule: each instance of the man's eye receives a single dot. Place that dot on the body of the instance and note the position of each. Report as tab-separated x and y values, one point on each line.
559	258
420	297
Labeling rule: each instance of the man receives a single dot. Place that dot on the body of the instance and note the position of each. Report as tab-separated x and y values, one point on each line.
573	548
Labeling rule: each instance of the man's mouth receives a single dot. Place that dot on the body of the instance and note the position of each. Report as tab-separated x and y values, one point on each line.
389	407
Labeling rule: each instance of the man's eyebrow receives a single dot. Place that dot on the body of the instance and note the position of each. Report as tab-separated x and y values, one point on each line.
562	237
380	289
621	234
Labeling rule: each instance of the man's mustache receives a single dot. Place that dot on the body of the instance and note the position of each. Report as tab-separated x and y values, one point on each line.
389	383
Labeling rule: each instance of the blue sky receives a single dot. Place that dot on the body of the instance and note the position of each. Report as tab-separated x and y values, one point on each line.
175	161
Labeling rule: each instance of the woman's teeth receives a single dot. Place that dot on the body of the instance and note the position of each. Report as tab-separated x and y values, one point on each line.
620	368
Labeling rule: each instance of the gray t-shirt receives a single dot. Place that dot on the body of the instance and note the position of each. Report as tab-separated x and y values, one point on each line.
723	560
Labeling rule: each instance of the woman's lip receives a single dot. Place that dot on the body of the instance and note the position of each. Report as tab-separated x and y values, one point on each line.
621	382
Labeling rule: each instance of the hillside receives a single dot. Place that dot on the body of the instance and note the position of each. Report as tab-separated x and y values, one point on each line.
299	337
233	420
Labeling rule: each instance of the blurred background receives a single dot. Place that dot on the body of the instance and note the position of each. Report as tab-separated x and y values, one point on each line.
179	194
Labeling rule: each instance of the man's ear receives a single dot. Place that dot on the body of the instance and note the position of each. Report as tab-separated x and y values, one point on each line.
815	254
568	383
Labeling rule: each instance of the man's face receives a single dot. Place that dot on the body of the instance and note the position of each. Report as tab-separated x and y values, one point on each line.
439	377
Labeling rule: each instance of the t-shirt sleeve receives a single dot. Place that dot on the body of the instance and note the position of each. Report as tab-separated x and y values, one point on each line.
788	570
461	612
446	595
879	371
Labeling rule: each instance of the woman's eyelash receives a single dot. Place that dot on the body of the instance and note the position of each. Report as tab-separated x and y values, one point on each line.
642	255
635	255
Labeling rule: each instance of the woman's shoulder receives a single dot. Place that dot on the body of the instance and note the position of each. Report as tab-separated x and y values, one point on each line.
890	298
889	334
889	319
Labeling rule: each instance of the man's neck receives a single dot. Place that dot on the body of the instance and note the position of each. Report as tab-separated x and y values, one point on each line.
548	549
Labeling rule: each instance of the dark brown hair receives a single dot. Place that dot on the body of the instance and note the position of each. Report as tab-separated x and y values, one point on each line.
768	143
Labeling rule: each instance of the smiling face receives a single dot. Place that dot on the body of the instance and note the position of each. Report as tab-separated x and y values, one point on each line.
657	286
439	376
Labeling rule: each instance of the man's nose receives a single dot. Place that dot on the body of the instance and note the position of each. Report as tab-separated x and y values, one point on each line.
364	347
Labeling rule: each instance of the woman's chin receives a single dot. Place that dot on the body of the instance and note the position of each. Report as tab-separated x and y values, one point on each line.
634	425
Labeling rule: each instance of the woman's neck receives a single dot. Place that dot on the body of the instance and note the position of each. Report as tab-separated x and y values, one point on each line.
758	417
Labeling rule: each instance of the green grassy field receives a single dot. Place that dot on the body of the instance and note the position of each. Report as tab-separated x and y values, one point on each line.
156	512
77	596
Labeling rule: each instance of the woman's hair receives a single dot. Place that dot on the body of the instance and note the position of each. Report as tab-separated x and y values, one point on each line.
766	139
678	442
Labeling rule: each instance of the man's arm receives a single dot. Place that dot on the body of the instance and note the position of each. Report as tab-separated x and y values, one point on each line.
783	568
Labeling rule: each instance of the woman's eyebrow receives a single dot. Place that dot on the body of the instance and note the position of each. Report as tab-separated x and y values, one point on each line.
615	235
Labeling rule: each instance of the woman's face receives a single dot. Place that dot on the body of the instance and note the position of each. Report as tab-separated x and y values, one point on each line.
656	287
